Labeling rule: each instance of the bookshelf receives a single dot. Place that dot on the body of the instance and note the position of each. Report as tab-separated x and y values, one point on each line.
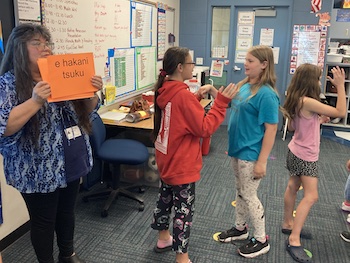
331	95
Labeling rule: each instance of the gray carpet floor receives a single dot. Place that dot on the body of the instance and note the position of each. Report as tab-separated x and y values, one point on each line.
125	235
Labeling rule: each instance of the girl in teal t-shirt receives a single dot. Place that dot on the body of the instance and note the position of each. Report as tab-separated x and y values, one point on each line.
252	129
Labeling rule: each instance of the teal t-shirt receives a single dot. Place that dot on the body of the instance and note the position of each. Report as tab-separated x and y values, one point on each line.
246	125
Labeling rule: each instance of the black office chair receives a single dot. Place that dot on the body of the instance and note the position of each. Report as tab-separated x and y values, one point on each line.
115	152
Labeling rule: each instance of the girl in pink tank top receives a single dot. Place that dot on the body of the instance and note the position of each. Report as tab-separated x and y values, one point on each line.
305	113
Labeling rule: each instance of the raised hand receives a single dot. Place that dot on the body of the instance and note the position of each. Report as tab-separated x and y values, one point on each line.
338	77
230	91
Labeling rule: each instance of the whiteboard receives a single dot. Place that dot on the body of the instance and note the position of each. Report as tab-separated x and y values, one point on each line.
88	26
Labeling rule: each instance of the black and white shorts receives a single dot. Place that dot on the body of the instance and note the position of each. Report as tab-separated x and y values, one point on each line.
299	167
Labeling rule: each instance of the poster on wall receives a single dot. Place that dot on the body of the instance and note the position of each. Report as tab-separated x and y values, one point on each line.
145	64
161	32
245	34
216	68
122	69
308	46
141	24
266	36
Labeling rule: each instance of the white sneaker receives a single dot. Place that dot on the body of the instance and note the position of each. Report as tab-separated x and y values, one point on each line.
348	219
345	207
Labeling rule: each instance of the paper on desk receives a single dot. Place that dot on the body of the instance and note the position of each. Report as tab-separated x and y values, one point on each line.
113	116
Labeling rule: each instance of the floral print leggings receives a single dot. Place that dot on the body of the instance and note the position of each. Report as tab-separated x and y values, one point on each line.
182	198
248	204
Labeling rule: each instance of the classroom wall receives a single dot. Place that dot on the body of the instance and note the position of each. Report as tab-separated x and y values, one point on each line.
194	23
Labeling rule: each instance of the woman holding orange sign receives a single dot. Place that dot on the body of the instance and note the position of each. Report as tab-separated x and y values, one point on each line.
45	146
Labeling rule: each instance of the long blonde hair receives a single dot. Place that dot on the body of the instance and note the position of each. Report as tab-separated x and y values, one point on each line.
305	83
267	76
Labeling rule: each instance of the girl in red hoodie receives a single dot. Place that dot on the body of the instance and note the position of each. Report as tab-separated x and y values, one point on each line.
179	124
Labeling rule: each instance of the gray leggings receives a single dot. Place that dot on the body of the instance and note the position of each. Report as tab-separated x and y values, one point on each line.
248	204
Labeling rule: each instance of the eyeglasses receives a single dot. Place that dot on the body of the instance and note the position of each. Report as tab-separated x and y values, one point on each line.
41	45
191	63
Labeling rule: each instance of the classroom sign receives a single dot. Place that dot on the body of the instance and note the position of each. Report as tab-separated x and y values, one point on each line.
69	76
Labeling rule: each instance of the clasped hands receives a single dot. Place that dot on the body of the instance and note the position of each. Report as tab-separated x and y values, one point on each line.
229	92
42	91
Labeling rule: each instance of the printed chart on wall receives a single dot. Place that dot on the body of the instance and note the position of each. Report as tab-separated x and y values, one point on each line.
161	31
122	69
88	26
145	67
141	24
308	46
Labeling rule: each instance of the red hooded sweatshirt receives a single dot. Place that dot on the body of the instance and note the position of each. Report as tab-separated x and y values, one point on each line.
183	123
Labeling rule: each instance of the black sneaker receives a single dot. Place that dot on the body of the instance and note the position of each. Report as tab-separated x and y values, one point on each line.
233	234
254	248
345	236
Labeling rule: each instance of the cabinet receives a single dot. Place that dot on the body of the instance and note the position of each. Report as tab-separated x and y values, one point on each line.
331	94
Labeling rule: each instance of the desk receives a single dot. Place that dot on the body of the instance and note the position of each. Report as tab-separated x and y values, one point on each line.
148	123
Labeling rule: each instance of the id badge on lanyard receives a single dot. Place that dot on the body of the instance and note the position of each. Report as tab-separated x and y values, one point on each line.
72	132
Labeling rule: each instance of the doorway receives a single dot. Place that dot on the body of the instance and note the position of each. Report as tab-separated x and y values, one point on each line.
279	22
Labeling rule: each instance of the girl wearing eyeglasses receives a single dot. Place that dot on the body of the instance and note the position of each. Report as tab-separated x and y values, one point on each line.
179	124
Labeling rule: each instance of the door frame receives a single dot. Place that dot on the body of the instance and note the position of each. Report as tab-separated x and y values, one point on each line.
231	49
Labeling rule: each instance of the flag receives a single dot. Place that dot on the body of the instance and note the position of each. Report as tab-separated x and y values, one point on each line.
316	5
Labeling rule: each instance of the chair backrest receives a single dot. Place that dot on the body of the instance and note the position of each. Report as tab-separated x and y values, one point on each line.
98	135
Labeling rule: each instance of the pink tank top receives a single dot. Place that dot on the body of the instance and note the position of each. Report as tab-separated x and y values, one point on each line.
305	143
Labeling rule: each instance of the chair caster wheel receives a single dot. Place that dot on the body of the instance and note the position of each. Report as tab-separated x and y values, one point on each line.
85	199
142	190
141	207
104	213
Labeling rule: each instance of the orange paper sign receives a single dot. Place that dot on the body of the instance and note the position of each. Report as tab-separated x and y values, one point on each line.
69	76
